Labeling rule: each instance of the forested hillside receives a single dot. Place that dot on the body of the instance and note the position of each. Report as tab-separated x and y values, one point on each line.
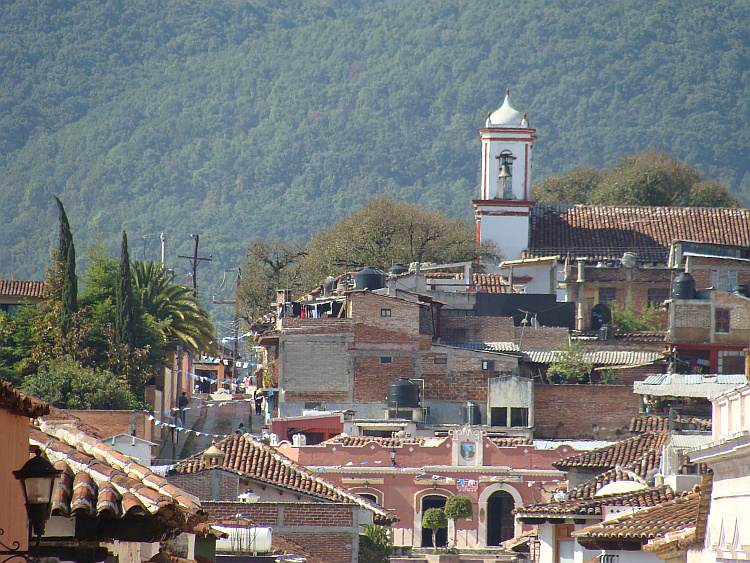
243	118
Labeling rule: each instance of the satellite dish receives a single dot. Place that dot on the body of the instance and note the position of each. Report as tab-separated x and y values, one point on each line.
628	259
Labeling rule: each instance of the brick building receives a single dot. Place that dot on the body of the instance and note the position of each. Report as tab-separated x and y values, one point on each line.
346	357
241	475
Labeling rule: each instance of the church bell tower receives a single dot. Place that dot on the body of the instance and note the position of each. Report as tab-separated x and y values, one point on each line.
503	211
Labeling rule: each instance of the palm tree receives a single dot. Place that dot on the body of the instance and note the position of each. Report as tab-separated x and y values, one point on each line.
181	316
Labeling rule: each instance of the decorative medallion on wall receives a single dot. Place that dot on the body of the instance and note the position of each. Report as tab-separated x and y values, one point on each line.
467	446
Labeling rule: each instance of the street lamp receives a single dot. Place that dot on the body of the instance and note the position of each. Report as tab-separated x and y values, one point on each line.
37	478
393	457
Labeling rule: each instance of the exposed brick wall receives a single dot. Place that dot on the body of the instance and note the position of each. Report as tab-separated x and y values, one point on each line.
316	397
583	411
542	338
481	329
371	378
326	530
457	386
404	315
202	484
111	423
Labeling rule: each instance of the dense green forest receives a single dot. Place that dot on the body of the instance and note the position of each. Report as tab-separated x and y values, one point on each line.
237	119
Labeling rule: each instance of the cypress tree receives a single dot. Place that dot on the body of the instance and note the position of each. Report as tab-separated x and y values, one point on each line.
124	313
66	259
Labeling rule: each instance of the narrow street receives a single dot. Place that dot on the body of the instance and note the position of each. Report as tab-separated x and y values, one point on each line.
213	417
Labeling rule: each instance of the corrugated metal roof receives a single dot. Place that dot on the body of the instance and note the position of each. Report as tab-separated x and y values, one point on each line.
685	441
734	378
601	357
578	445
656	379
487	346
693	378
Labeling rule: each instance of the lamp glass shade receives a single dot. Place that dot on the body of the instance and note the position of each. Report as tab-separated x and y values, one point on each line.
38	489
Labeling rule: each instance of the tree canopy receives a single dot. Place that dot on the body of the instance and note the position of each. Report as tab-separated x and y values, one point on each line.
649	178
275	119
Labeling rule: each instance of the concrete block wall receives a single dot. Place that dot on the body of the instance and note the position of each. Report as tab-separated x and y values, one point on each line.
601	412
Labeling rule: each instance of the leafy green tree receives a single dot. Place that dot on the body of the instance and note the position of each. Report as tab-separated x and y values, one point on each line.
374	545
173	307
67	384
625	319
125	305
66	256
434	519
648	178
570	366
385	231
458	506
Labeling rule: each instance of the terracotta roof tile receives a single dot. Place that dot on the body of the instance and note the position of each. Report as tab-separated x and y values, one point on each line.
16	402
605	232
254	459
94	482
684	514
593	506
619	454
363	440
509	442
17	288
654	423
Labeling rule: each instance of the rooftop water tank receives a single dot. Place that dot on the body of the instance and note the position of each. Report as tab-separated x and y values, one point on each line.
403	393
471	413
397	269
328	284
369	278
600	315
683	286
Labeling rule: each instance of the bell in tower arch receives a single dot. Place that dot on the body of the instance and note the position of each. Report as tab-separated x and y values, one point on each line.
505	177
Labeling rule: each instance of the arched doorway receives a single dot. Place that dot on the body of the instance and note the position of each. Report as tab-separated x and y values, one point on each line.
500	522
441	538
368	496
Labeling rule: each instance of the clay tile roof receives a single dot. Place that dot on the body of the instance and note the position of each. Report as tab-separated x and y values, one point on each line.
603	232
490	283
17	288
254	459
593	506
16	402
508	442
619	454
640	424
363	440
94	482
682	514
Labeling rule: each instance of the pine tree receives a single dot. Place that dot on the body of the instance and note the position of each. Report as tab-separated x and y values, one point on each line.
124	313
66	268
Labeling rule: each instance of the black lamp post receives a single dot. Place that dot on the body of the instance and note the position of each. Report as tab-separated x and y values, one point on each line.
37	478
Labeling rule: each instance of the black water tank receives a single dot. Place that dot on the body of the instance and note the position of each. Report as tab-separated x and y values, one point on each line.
369	278
600	315
683	287
397	269
470	413
403	393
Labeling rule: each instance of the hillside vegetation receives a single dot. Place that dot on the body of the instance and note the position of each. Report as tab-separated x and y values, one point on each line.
238	119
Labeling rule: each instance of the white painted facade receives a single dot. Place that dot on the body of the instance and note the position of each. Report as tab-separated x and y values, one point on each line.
502	212
728	527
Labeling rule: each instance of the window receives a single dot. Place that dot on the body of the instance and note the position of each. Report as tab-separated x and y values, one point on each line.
657	296
722	320
606	294
10	308
519	416
386	359
723	280
488	365
499	416
440	361
385	312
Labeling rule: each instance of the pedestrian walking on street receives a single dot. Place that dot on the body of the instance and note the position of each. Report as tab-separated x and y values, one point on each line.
258	401
182	403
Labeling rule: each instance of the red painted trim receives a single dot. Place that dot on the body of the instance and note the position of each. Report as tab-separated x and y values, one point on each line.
526	189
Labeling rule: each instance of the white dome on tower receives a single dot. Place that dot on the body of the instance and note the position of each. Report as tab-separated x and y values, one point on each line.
506	116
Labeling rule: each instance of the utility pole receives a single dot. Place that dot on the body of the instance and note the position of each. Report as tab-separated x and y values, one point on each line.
235	325
194	259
